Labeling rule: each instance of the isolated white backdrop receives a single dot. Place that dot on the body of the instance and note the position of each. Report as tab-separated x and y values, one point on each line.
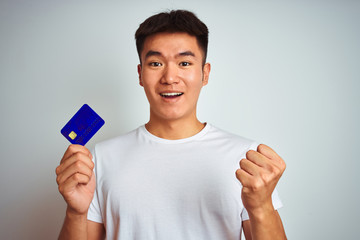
285	73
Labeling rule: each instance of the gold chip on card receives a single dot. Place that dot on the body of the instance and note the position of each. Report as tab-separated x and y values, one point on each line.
72	135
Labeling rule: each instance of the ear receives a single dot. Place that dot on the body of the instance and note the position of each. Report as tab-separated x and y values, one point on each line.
206	73
139	73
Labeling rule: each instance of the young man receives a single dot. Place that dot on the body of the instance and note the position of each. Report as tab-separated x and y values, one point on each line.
175	177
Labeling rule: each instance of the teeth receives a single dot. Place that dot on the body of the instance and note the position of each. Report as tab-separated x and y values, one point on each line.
170	94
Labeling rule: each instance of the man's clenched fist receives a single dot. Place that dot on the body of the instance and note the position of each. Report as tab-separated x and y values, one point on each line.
259	173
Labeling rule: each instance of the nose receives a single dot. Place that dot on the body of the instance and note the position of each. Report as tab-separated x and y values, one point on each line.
170	75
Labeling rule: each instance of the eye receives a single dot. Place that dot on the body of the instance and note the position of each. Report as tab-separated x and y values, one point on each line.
185	64
155	64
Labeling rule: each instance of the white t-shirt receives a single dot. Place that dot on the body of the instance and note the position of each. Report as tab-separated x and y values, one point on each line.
154	188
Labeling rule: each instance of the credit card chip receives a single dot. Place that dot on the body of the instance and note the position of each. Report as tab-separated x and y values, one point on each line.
72	135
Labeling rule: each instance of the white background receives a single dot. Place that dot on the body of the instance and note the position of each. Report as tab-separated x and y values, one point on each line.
285	73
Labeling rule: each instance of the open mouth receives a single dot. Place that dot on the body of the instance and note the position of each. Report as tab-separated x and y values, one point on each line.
171	95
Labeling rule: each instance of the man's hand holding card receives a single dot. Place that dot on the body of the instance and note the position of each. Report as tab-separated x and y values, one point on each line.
75	176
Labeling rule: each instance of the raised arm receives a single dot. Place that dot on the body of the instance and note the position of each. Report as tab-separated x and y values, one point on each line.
76	183
259	173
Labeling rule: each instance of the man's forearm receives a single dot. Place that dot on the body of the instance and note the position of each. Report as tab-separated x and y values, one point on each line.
75	227
266	224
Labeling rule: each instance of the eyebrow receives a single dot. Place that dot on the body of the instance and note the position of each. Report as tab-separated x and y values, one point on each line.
156	53
152	53
187	53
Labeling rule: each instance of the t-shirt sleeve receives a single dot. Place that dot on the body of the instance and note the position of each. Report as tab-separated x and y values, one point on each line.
94	212
275	200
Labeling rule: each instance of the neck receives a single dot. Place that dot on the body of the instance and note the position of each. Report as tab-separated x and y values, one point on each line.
175	129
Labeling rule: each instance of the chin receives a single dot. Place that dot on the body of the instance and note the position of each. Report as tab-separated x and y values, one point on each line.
171	115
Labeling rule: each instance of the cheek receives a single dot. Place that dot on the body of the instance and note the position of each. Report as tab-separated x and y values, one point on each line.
148	88
148	81
193	77
196	81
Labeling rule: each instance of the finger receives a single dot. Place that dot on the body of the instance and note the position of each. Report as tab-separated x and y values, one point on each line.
272	155
268	152
78	156
73	181
244	177
271	166
77	167
257	158
74	148
249	167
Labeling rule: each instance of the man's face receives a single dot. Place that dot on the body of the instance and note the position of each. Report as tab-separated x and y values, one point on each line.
172	74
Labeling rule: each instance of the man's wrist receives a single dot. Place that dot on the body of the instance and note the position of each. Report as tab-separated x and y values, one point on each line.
75	226
261	213
71	214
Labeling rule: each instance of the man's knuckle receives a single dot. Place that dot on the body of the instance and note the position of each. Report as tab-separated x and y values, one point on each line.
266	178
78	164
257	185
273	169
58	180
76	176
262	175
77	155
60	188
92	165
280	170
71	148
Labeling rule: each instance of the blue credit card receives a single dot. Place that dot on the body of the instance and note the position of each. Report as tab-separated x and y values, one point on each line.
82	126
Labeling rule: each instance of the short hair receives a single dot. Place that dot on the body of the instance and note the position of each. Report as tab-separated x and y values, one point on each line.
172	22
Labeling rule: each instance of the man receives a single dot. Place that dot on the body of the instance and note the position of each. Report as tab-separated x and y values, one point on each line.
174	177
